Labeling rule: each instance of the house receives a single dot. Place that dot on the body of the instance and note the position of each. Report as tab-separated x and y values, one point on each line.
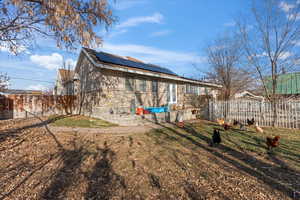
288	85
114	85
246	95
21	92
64	84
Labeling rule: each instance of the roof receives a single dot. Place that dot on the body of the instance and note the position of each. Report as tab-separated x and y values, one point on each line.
128	62
132	65
66	74
16	91
287	84
248	94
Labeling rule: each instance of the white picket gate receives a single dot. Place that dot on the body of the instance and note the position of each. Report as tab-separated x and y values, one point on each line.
288	112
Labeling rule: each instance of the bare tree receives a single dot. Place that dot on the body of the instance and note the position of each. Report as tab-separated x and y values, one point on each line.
225	60
69	22
92	86
270	38
66	98
4	81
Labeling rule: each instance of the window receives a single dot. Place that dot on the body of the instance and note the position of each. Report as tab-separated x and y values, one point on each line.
154	86
191	89
174	93
201	91
194	89
129	84
187	89
142	86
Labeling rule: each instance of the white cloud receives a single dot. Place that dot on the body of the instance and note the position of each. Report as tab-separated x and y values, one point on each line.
117	33
51	62
126	4
297	43
161	33
180	62
286	7
285	55
4	49
70	62
282	56
156	18
293	16
16	50
153	55
37	87
228	24
289	8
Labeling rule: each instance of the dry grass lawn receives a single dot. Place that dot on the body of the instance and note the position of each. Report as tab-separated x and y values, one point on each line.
167	163
80	121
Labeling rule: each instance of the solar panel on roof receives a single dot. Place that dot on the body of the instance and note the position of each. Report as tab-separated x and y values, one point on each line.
104	57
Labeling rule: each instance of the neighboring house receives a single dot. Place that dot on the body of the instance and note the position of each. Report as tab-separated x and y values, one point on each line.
64	83
21	92
110	84
288	85
246	95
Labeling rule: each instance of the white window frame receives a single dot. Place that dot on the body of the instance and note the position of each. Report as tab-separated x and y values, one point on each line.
171	93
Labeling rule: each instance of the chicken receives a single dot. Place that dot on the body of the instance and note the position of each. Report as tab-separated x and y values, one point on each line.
226	126
216	137
258	129
272	142
235	122
220	122
250	122
242	127
180	124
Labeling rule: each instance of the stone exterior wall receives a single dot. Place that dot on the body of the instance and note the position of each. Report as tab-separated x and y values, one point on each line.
103	92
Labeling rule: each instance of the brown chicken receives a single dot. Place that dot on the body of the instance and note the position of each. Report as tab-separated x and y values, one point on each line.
272	142
226	126
180	124
221	122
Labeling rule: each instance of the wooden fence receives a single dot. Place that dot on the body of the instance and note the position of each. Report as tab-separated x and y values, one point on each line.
288	112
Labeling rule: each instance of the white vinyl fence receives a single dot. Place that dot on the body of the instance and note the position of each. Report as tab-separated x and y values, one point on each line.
288	112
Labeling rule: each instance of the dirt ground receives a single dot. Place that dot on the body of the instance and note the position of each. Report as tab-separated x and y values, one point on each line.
38	161
115	130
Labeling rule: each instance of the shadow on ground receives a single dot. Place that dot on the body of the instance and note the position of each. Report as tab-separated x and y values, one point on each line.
281	177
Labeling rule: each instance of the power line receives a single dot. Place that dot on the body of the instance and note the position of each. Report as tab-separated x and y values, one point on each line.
30	79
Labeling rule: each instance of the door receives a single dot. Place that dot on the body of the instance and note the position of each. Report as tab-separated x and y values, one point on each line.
172	93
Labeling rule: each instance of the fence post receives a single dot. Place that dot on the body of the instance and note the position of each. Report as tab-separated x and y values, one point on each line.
262	112
296	105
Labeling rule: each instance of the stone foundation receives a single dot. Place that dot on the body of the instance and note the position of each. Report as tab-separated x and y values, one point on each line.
136	120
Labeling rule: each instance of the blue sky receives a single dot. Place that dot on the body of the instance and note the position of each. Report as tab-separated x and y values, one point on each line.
170	33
